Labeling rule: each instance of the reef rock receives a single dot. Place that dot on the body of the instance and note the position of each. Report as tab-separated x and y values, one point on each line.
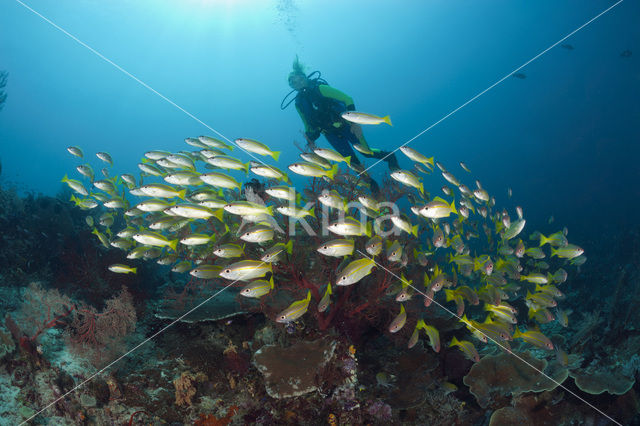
501	376
292	371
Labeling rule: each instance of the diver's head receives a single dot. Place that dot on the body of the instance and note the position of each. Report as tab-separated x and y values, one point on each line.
298	81
298	78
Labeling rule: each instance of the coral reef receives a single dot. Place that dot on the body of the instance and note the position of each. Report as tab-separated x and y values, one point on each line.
596	381
495	379
186	387
292	371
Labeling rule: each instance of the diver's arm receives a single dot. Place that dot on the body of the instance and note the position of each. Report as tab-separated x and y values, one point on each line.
311	134
330	92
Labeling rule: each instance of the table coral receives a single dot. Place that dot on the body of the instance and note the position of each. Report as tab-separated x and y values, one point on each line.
596	382
292	371
498	377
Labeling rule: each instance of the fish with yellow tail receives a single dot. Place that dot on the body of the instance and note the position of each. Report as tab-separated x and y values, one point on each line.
276	252
258	288
155	239
416	156
399	321
467	349
557	239
257	147
355	271
330	154
365	118
76	185
567	252
535	338
246	270
76	151
407	178
326	299
295	310
337	248
438	209
122	269
432	333
313	170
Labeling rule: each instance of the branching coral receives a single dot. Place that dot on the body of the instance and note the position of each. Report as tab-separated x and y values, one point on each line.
186	387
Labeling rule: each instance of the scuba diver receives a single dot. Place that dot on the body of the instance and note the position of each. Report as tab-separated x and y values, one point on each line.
320	106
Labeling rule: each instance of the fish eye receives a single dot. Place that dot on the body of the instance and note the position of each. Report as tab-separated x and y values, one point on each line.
324	247
227	271
343	278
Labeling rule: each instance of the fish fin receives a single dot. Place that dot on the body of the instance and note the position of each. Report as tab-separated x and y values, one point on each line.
308	298
218	214
298	198
182	194
275	155
332	171
554	252
402	311
134	270
367	229
387	120
289	246
329	288
454	342
65	178
347	159
312	212
449	296
414	231
173	244
543	240
421	188
270	210
271	282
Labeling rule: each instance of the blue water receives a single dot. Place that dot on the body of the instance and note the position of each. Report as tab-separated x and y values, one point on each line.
128	77
565	138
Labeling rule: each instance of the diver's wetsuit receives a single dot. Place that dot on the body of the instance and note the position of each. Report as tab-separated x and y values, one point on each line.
320	107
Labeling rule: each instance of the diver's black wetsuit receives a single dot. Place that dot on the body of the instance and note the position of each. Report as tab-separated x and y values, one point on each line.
320	107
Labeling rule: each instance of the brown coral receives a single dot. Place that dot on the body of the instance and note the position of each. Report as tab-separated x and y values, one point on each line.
292	371
185	387
495	378
596	382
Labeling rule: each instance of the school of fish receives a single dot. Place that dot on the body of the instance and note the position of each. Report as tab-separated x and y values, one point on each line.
186	210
